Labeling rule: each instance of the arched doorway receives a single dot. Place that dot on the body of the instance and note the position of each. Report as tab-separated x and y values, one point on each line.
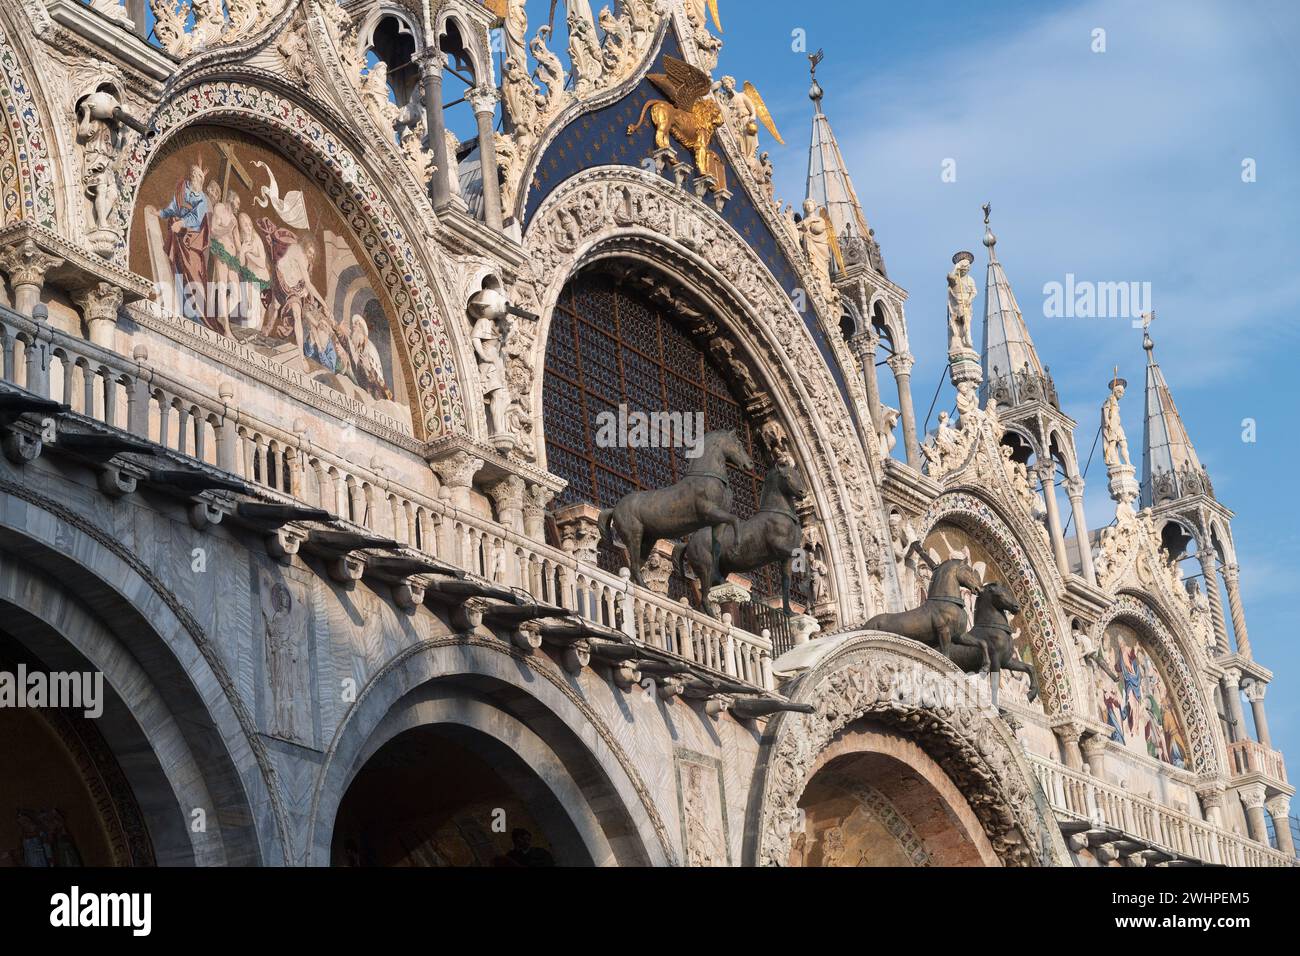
448	795
66	801
878	799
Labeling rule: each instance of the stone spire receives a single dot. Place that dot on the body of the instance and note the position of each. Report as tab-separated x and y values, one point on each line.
1013	374
830	187
1170	468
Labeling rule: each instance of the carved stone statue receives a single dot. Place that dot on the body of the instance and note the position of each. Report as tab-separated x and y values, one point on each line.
492	326
516	30
374	91
1114	443
886	437
816	244
520	95
99	132
905	544
584	48
961	295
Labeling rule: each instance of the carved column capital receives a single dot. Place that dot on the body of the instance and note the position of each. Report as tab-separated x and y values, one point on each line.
26	264
457	470
579	533
507	492
431	62
1074	487
1252	796
99	304
901	363
1211	795
1254	690
1232	678
1278	806
1230	573
536	498
483	99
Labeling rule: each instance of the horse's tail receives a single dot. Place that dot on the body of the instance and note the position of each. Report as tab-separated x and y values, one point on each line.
632	128
602	523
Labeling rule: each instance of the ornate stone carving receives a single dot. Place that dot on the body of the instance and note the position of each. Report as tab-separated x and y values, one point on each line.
961	295
897	683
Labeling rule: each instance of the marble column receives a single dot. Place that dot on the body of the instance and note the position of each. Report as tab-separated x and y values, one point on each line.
456	472
536	498
1231	583
864	346
901	365
1211	797
1047	474
99	304
26	265
508	497
1232	698
1068	733
1255	694
1094	755
1279	808
431	64
1206	557
484	101
1074	488
1252	798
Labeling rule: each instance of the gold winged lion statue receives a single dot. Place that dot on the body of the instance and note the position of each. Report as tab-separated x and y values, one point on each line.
690	115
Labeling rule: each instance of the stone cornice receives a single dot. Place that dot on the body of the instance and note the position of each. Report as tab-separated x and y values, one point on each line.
80	268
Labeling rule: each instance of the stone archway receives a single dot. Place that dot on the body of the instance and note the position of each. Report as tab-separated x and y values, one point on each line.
173	720
1025	574
439	358
488	696
881	695
623	212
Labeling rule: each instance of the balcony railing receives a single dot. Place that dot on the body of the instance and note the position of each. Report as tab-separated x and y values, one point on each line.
1249	756
1079	796
146	402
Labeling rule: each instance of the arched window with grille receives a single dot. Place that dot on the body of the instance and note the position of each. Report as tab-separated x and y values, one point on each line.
610	345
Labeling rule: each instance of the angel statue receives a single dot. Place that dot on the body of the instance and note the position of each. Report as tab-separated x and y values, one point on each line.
747	111
690	115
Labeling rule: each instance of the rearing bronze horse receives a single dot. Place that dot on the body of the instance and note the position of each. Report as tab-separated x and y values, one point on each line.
701	499
943	615
771	535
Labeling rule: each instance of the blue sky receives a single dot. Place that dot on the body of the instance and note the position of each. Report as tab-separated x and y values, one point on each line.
1115	166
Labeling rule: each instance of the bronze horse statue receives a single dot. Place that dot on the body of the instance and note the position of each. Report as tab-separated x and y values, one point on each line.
987	646
701	499
772	534
943	615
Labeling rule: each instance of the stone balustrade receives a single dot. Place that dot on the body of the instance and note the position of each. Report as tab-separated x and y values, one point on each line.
1081	797
131	395
1248	757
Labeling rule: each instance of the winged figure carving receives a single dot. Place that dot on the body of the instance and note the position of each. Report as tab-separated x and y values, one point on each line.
689	115
761	111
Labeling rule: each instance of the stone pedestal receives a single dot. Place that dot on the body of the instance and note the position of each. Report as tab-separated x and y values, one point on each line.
803	627
728	592
965	367
1123	486
579	533
658	567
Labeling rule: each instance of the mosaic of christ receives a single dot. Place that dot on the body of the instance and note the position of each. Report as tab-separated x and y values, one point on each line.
1133	697
237	238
